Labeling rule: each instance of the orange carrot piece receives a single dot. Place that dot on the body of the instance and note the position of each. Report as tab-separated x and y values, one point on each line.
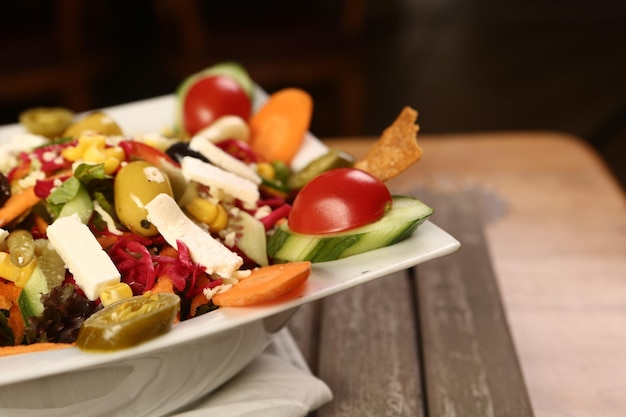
277	130
17	204
169	251
40	224
16	323
199	299
9	293
163	284
265	284
35	347
106	241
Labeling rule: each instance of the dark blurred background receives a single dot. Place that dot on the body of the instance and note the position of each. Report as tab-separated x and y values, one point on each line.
473	65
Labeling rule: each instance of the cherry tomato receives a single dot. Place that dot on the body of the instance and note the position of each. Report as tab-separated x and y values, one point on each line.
138	150
339	200
210	98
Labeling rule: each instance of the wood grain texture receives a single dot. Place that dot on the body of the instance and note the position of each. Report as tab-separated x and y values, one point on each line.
557	245
370	351
470	362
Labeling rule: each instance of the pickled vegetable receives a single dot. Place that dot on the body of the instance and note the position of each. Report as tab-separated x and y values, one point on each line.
50	122
96	121
129	322
332	159
21	247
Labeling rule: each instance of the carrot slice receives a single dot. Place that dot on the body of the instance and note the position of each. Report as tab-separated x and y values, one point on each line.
277	130
163	284
16	323
17	204
9	294
35	347
40	224
265	284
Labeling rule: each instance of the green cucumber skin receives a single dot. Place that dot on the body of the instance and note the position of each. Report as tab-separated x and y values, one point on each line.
29	300
400	222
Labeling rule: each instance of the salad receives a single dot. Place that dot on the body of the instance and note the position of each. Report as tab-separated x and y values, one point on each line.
107	240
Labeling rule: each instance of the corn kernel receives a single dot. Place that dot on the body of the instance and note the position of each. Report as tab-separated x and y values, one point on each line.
213	215
115	152
111	164
266	170
115	292
72	153
221	221
93	155
11	272
203	210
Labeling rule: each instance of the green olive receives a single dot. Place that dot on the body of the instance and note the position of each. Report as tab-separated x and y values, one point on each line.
136	184
129	322
96	121
50	122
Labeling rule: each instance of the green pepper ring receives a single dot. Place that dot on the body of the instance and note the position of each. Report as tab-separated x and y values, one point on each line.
129	322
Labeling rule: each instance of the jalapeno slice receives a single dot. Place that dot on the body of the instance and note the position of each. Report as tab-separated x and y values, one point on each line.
46	121
129	322
332	159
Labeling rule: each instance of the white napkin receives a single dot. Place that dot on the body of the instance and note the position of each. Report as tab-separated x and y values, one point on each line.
276	384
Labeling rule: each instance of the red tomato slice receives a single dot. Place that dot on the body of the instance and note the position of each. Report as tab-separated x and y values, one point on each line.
210	98
339	200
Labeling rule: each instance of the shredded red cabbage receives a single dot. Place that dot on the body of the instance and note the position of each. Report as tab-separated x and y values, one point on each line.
270	220
140	264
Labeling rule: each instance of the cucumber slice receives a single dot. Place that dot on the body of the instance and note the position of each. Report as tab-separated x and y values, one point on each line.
406	214
251	237
29	300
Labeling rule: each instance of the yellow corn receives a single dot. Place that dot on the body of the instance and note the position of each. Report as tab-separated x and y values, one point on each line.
11	272
266	170
92	149
213	215
115	292
221	221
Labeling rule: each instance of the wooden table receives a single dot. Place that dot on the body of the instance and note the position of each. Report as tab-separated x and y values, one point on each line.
528	318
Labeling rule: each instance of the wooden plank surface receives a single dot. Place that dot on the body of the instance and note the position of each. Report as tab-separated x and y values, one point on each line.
369	350
470	364
437	344
557	248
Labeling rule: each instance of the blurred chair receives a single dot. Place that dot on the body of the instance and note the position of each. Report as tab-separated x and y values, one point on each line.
82	47
51	60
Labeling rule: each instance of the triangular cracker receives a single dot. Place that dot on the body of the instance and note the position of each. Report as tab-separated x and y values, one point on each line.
396	149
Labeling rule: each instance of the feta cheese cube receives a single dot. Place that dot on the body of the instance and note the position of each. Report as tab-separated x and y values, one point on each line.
83	256
214	177
172	223
223	159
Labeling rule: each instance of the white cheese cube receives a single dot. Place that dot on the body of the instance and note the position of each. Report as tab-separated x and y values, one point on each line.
223	159
214	177
83	256
172	223
3	234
